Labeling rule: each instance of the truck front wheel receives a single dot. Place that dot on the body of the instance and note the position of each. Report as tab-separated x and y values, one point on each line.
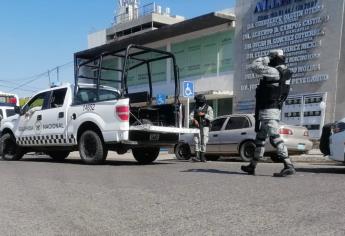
10	151
145	155
91	148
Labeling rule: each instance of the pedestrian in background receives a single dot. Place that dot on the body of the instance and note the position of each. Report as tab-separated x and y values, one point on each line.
201	118
271	93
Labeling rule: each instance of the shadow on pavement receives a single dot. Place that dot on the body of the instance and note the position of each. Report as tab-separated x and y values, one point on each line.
215	171
322	170
80	162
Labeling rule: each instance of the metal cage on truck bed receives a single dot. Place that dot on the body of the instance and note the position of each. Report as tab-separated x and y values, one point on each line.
113	67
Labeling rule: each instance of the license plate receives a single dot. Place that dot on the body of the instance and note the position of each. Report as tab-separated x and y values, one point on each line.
154	137
300	146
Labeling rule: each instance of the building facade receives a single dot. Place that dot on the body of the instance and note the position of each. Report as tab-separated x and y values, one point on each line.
311	33
203	47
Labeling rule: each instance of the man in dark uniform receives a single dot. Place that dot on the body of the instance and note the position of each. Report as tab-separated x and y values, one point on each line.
270	94
201	118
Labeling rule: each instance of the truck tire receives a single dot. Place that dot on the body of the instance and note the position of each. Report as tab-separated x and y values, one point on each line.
91	148
247	150
145	155
182	151
10	151
58	155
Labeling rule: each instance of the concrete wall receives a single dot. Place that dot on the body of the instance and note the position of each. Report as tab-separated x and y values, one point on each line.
326	61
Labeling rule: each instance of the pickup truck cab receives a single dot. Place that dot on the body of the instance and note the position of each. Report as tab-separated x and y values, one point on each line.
96	114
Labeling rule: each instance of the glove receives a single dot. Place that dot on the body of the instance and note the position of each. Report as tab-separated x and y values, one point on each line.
265	60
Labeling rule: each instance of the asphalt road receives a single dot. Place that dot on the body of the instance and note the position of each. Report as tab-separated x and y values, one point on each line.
170	197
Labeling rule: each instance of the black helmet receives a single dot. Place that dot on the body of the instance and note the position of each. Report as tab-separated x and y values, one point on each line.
276	57
200	100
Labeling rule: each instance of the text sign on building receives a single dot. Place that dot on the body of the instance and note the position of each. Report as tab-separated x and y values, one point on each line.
188	89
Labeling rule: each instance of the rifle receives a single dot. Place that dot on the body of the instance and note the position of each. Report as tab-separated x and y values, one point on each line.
256	116
201	124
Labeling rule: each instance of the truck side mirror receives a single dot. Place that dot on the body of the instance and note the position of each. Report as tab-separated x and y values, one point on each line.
17	110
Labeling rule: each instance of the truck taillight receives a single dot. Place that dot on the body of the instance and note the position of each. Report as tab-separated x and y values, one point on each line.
122	112
285	131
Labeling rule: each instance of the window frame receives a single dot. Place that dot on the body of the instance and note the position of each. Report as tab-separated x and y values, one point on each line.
243	117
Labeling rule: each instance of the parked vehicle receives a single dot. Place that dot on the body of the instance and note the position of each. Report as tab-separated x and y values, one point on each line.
336	141
235	135
98	113
7	103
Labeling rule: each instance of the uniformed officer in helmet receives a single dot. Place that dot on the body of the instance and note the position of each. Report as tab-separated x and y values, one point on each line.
201	118
271	92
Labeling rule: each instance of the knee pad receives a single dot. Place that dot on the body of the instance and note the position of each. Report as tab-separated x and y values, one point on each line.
275	140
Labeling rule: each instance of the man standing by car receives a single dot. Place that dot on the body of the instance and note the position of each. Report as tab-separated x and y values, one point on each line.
201	118
270	95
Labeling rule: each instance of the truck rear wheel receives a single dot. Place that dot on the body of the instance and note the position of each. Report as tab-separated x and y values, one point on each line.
10	151
91	148
145	155
59	155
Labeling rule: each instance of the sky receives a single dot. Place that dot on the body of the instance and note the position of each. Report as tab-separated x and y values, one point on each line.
39	35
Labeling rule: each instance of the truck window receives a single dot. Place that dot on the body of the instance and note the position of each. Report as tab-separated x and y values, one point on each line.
58	98
1	115
87	95
39	102
10	112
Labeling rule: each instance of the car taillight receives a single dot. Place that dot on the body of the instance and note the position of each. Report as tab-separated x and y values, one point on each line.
285	131
122	112
339	127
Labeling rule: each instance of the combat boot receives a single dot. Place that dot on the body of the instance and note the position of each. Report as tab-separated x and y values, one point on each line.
250	169
196	158
202	157
288	169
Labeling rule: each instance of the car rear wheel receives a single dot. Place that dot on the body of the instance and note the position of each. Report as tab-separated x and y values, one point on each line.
247	150
182	151
91	148
10	151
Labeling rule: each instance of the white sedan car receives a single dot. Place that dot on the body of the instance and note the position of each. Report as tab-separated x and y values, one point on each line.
235	135
337	141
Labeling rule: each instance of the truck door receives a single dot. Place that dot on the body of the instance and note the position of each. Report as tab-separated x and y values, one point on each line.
52	125
29	122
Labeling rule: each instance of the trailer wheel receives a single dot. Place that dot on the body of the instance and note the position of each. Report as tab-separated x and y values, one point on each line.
182	151
91	148
58	155
10	151
145	155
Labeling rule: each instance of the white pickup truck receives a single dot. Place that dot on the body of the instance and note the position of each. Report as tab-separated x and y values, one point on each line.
97	114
